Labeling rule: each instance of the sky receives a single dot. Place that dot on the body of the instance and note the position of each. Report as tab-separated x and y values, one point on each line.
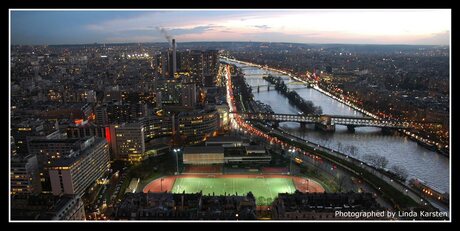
371	26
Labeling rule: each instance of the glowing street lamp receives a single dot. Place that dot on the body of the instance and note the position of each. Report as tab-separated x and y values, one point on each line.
176	151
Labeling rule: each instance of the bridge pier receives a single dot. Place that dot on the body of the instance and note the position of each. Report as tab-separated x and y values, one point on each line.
325	127
351	128
268	88
275	124
303	125
258	89
387	131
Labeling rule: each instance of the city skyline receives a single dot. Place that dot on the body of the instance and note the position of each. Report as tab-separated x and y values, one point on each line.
230	115
411	27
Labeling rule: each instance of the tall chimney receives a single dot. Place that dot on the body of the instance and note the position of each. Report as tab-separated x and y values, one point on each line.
174	57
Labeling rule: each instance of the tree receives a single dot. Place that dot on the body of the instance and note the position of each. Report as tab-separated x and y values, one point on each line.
376	160
261	200
268	200
340	182
326	140
381	162
353	150
400	171
318	110
339	146
369	158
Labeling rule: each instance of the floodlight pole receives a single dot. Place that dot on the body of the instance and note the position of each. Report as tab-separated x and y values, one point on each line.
177	160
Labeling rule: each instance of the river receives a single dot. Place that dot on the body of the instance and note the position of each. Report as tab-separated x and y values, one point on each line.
419	162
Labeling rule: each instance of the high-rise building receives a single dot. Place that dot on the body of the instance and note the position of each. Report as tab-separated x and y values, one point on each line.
169	92
128	142
125	112
74	173
188	95
24	175
157	126
195	126
101	115
48	151
210	62
183	61
27	129
86	130
118	112
164	67
196	66
111	95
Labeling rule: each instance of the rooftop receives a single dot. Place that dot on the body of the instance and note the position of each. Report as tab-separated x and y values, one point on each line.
37	207
224	139
203	150
68	161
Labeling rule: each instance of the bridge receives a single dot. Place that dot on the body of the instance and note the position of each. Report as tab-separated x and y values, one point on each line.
292	86
328	122
255	75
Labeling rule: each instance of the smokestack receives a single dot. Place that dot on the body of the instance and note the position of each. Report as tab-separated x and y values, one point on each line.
174	57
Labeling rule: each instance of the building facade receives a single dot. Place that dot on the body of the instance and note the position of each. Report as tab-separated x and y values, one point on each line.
47	151
198	125
321	206
47	207
128	142
185	206
203	155
74	174
24	176
224	120
157	126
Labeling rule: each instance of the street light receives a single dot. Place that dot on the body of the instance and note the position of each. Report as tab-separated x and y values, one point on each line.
177	159
290	158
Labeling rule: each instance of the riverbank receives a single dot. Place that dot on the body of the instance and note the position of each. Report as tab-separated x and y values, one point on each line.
399	150
380	182
422	142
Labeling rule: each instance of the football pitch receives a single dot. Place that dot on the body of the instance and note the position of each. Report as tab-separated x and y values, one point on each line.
265	190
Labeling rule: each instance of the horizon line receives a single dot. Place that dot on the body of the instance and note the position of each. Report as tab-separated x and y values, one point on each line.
114	43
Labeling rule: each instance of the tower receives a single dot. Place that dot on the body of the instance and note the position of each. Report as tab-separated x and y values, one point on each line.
174	58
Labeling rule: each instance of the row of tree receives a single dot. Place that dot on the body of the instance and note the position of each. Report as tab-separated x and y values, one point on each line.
306	106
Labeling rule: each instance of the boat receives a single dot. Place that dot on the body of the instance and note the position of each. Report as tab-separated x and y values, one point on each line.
428	146
443	151
429	191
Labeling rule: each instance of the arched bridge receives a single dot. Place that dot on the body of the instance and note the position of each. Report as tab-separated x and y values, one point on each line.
328	122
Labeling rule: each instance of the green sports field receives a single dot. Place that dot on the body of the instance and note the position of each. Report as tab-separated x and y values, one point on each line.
265	190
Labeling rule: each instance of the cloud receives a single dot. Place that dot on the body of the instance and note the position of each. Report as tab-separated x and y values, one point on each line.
441	38
129	39
263	27
193	30
328	26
